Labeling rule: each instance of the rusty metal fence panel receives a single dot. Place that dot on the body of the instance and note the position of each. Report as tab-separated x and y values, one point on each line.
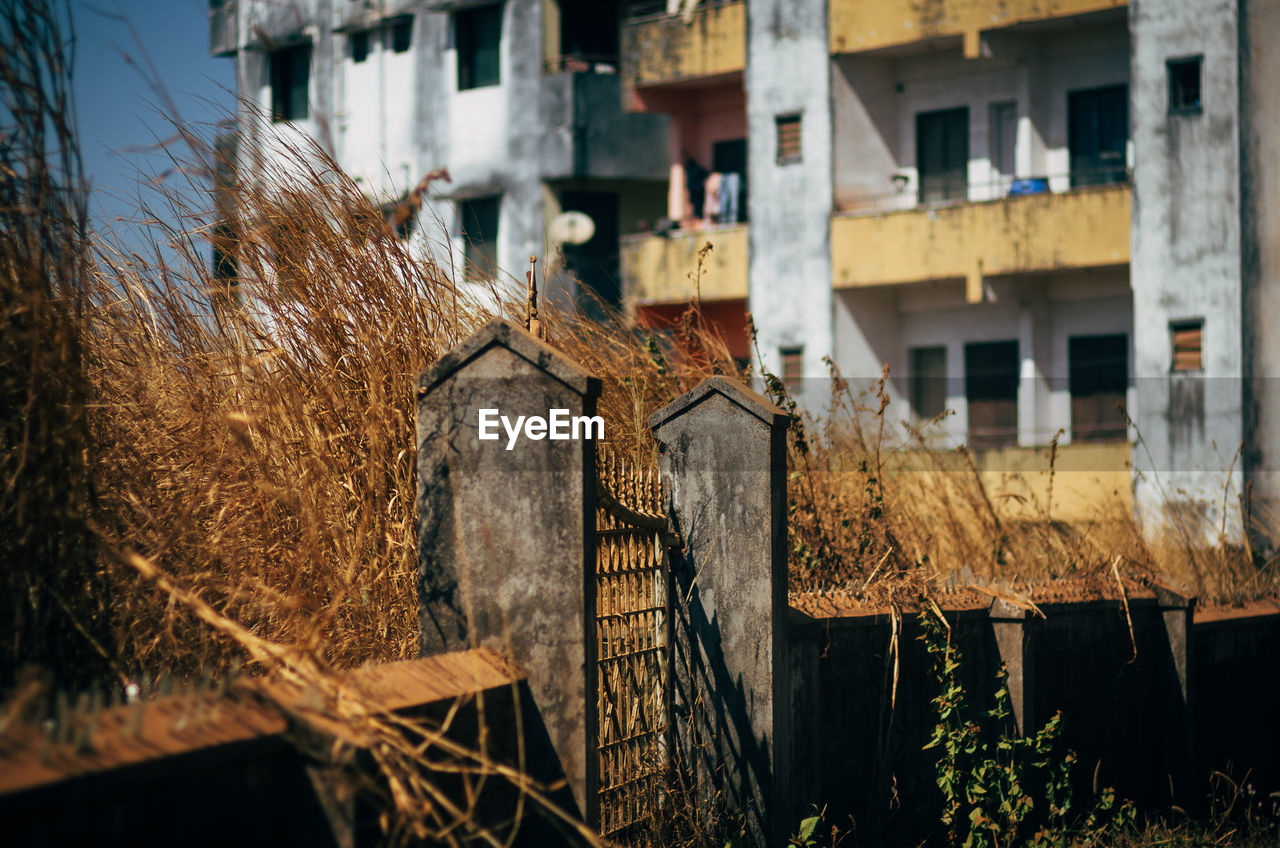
632	642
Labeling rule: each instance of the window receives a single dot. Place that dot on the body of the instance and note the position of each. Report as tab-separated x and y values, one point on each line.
792	366
991	388
359	46
942	154
1187	338
478	39
1097	375
1184	85
928	381
478	222
1097	131
290	79
402	35
788	128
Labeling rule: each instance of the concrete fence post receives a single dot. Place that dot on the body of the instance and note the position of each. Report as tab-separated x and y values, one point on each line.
1013	628
1177	612
723	456
506	529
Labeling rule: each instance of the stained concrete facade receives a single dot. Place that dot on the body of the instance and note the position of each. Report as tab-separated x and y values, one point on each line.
548	131
1204	250
788	75
844	253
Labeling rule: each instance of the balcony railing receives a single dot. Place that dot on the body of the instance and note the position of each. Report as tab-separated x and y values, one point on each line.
859	25
913	194
580	63
895	239
662	268
660	47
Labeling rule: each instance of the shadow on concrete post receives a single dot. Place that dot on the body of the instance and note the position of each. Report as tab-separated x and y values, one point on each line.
723	457
506	535
1173	672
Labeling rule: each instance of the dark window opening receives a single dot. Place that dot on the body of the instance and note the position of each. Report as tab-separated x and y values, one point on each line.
595	263
789	148
1187	339
942	154
991	388
730	157
1184	85
478	222
792	366
588	36
359	45
1097	132
1098	376
290	80
402	35
928	381
478	39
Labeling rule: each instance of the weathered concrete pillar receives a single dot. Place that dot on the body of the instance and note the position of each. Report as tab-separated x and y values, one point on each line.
723	455
1013	628
506	533
1177	612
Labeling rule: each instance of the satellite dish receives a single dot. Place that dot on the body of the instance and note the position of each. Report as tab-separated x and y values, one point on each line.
572	228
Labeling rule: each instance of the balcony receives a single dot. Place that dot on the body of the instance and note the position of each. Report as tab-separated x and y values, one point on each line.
222	27
1035	233
661	269
858	25
661	48
586	133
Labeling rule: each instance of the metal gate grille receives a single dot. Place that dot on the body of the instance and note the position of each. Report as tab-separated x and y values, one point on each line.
632	639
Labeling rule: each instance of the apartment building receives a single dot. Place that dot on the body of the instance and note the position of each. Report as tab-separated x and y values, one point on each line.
1040	216
519	100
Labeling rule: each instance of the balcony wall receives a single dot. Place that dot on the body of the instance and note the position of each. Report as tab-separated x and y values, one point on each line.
664	49
858	25
1086	228
222	28
587	134
658	269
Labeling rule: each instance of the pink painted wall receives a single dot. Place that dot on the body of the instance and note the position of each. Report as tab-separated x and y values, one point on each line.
699	118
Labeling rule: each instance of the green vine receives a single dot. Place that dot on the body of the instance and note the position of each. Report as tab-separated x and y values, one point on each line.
1001	789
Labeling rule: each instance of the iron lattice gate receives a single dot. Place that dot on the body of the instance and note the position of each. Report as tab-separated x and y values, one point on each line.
632	638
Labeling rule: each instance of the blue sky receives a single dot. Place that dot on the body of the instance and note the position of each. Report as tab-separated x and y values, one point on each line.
117	108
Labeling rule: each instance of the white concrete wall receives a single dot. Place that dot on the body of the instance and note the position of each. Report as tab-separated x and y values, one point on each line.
790	293
1186	264
377	147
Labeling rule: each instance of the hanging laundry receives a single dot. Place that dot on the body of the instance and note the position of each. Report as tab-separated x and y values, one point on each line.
730	188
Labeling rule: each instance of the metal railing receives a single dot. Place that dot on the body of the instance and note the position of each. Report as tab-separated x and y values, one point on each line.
642	10
908	195
581	63
633	626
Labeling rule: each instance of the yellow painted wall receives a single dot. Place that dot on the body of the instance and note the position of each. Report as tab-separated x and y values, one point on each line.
1091	481
657	269
858	25
1087	228
665	49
